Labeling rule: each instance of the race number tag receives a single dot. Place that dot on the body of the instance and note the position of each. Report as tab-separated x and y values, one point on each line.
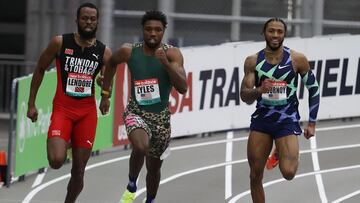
147	91
79	85
277	96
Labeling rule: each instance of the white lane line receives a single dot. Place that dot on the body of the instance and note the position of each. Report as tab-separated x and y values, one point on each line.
178	175
341	127
33	192
208	143
330	148
142	190
245	138
243	194
346	197
316	165
42	186
228	168
39	178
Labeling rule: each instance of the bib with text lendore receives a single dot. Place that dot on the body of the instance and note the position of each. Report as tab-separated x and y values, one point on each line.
79	85
277	95
147	91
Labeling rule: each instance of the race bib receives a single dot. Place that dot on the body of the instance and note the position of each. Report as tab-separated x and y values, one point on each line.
147	91
79	85
277	96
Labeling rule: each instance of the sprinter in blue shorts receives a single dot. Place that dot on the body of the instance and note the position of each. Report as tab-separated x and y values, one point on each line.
271	78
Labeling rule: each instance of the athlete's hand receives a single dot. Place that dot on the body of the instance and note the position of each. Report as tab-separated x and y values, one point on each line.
309	131
160	54
100	80
266	85
104	105
32	113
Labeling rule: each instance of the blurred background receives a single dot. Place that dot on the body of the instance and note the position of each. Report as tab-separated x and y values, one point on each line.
27	26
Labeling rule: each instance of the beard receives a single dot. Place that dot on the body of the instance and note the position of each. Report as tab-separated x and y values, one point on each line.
268	43
86	34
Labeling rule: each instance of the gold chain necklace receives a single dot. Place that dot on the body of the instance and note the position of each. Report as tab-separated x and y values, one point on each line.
88	43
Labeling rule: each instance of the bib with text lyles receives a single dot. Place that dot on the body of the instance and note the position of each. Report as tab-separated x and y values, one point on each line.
147	91
277	95
79	85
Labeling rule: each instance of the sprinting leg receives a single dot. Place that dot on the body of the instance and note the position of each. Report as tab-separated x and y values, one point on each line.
153	176
56	152
58	138
140	142
288	148
76	183
258	150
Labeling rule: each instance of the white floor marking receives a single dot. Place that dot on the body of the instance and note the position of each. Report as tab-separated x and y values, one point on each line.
178	175
39	179
316	165
33	192
243	194
228	168
346	197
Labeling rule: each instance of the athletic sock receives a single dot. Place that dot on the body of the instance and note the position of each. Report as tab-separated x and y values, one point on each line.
132	185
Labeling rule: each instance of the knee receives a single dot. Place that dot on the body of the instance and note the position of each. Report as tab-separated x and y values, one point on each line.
288	169
139	141
140	149
153	165
289	173
154	170
56	162
256	175
77	173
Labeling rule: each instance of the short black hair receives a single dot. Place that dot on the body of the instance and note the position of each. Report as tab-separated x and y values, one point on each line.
154	15
89	5
274	19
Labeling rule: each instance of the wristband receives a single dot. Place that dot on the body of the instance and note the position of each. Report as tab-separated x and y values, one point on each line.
105	93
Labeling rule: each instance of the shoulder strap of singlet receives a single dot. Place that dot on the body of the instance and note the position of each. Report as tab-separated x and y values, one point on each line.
166	46
261	56
286	55
137	44
69	37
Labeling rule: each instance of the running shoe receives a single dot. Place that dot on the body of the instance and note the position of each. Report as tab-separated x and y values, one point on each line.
127	197
273	160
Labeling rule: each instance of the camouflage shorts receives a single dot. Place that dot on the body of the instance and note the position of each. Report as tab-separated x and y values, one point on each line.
157	126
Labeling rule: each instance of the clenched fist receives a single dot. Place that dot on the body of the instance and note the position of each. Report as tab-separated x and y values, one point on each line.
160	54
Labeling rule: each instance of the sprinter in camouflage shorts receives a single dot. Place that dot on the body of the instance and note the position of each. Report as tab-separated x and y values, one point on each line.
155	69
157	126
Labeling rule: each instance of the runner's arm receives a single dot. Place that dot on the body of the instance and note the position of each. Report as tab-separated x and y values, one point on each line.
100	77
122	55
46	57
310	82
247	91
174	63
301	63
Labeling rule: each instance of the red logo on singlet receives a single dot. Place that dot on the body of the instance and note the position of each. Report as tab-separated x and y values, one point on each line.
69	51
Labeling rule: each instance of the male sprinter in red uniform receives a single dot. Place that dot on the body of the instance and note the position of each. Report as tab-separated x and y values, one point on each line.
79	58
